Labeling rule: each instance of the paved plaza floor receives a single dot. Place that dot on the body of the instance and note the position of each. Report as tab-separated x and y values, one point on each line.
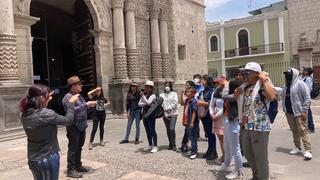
129	161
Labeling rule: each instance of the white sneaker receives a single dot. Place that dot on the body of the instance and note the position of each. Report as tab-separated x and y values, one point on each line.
222	168
295	151
307	155
148	148
193	155
154	149
235	175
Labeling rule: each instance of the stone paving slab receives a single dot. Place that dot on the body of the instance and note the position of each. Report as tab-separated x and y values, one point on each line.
144	176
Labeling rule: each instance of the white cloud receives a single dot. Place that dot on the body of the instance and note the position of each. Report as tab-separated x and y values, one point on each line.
212	4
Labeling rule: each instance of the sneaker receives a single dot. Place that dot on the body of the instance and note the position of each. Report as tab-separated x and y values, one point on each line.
148	148
193	155
212	156
222	168
102	143
235	175
188	153
123	141
82	169
307	155
154	149
295	151
74	174
90	146
136	141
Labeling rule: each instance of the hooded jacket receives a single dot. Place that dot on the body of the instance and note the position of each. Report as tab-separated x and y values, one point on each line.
299	95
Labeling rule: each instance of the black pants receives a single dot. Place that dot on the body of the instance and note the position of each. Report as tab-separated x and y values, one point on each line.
184	141
76	141
150	126
98	117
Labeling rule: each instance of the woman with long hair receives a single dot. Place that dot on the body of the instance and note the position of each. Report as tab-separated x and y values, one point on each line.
133	112
170	106
40	125
99	114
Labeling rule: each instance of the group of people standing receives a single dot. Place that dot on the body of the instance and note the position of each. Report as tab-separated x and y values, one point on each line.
237	112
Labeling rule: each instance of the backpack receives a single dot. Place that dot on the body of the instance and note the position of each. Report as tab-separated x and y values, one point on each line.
315	88
273	107
156	110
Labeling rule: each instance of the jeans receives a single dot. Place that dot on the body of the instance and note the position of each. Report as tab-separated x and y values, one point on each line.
98	116
150	126
192	136
211	136
231	143
255	144
134	115
170	124
46	169
184	141
76	141
310	120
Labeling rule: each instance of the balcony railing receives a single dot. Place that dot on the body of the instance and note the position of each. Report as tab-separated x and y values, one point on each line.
262	49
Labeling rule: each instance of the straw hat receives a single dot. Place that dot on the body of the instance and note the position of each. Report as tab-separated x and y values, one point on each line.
73	80
149	83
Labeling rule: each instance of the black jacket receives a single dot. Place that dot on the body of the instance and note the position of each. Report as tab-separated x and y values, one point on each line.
132	101
40	126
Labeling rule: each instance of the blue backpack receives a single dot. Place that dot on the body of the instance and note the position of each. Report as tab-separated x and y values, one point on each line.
273	107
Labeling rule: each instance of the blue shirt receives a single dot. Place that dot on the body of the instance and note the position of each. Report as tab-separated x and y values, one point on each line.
193	107
80	111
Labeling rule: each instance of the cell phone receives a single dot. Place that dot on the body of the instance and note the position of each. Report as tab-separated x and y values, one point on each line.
142	90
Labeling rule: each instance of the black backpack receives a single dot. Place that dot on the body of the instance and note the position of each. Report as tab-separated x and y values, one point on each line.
315	88
273	107
156	110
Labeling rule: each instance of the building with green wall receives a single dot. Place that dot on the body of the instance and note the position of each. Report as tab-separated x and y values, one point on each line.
262	37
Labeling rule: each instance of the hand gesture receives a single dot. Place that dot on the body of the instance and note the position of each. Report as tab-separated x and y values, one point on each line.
263	76
91	104
74	98
238	91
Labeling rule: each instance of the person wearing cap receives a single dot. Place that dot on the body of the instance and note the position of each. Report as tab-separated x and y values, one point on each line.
296	103
197	79
133	112
306	77
76	132
254	118
216	111
98	114
147	98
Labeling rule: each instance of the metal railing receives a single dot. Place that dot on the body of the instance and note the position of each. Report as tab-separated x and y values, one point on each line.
262	49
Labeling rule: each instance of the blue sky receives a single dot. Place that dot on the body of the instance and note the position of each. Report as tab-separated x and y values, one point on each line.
231	9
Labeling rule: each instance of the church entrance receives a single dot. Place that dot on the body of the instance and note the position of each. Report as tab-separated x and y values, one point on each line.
62	46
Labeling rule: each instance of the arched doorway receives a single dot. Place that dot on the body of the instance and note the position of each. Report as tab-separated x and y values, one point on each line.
243	42
62	45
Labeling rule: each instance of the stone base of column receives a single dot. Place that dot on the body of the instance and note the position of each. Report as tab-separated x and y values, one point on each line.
166	66
120	64
157	67
133	64
8	60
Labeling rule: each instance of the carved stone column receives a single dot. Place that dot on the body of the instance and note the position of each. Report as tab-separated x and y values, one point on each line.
166	63
119	50
132	52
155	44
8	50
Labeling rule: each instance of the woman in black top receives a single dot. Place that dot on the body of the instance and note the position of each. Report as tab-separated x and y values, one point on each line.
99	114
133	112
40	125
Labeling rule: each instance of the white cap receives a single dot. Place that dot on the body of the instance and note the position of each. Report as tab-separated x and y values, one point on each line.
149	83
253	66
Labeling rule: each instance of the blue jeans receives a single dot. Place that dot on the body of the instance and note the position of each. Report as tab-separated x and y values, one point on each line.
310	120
192	136
134	115
46	169
231	143
211	137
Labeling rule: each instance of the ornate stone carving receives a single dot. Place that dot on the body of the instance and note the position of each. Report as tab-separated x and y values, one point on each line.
120	63
142	12
117	4
164	15
130	5
100	10
166	65
154	12
8	56
133	63
156	66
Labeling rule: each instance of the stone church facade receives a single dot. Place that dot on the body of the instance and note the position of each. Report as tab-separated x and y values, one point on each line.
129	40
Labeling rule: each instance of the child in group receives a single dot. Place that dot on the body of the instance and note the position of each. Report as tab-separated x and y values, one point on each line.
216	112
190	121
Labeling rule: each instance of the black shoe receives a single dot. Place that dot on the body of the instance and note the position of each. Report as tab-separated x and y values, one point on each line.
169	147
212	156
184	149
74	174
82	169
123	141
245	164
136	141
205	155
174	148
311	130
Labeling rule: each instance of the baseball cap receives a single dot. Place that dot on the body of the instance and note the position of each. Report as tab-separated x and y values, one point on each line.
252	66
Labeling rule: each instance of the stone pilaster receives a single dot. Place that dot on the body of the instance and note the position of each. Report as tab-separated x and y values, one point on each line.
119	51
8	46
131	42
166	62
155	44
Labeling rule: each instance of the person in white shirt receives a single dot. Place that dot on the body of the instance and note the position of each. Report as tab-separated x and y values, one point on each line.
170	106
